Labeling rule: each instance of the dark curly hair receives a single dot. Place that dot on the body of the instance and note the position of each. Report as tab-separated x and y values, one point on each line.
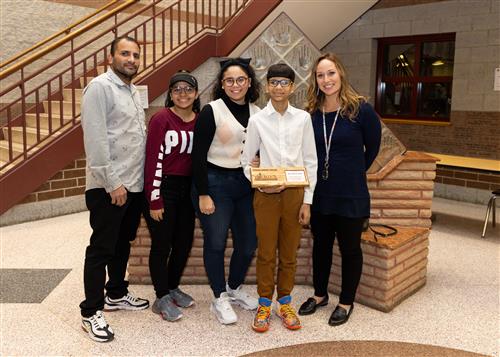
253	91
170	103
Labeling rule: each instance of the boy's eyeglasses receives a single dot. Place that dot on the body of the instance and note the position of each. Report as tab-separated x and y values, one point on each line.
231	81
282	82
185	90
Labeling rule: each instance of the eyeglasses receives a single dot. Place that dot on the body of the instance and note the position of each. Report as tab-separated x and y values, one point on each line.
282	82
231	81
185	90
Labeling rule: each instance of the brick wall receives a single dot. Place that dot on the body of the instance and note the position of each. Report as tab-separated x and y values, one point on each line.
464	177
70	181
471	134
403	197
195	269
393	268
401	193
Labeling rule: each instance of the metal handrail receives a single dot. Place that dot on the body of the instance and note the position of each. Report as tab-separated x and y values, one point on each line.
65	39
66	31
38	97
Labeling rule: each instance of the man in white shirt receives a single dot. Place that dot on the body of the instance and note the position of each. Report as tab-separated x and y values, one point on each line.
284	137
114	137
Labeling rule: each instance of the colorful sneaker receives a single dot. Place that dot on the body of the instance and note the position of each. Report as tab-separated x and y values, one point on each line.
287	313
181	299
242	298
97	327
263	316
127	302
167	309
223	310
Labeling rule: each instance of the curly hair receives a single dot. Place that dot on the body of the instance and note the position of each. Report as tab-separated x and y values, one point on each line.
253	91
349	99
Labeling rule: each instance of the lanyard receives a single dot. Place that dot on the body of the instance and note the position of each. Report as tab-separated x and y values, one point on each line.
328	143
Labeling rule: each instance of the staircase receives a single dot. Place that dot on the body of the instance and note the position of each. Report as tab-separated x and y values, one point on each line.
40	115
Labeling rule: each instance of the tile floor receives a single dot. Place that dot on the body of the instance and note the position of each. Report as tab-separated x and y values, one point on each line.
458	307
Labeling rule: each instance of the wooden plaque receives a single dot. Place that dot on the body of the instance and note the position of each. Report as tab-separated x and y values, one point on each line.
288	176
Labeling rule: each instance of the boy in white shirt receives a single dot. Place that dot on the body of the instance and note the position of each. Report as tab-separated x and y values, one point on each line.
283	135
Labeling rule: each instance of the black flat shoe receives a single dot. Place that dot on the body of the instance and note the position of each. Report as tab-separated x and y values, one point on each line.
339	316
309	307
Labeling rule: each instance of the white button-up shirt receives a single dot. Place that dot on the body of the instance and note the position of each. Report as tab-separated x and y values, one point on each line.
114	133
282	141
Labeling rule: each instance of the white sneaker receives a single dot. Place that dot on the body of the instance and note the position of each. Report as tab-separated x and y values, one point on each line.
223	310
97	327
242	298
127	302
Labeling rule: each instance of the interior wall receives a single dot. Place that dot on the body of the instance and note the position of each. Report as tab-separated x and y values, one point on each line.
474	126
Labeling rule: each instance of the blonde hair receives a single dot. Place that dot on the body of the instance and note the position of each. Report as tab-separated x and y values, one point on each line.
349	99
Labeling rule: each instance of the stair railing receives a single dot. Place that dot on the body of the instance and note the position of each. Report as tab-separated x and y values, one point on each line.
162	28
64	31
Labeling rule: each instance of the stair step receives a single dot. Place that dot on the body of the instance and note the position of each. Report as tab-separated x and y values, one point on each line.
44	120
82	79
68	96
10	166
4	150
56	108
31	135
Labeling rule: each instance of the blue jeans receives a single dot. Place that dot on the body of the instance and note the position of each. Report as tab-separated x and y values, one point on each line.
232	196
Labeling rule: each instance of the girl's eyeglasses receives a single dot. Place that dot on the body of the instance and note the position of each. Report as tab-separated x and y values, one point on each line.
185	90
231	81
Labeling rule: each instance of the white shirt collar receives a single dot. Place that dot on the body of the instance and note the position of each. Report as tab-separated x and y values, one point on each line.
269	109
115	79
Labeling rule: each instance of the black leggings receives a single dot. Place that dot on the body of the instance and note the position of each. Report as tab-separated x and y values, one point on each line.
171	238
348	233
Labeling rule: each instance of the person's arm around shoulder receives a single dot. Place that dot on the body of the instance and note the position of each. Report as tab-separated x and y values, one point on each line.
310	159
372	133
96	143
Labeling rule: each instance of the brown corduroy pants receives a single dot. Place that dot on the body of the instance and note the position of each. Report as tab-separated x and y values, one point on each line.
278	227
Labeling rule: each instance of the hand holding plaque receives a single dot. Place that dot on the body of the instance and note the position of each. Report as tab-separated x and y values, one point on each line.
286	176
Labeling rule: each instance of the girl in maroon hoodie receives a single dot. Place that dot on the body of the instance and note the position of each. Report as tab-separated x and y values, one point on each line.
167	186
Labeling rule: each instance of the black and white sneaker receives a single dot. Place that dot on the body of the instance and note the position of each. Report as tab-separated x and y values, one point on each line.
127	302
97	327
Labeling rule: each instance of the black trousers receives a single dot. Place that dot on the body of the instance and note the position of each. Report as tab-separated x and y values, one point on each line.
171	238
113	228
325	228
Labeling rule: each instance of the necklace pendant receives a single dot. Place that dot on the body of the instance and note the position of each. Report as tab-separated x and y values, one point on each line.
324	175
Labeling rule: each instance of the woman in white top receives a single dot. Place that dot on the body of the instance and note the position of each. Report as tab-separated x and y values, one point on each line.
222	196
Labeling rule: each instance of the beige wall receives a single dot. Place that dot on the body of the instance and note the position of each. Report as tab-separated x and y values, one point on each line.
475	119
320	20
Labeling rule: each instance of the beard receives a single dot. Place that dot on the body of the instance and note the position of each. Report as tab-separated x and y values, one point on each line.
127	75
122	72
